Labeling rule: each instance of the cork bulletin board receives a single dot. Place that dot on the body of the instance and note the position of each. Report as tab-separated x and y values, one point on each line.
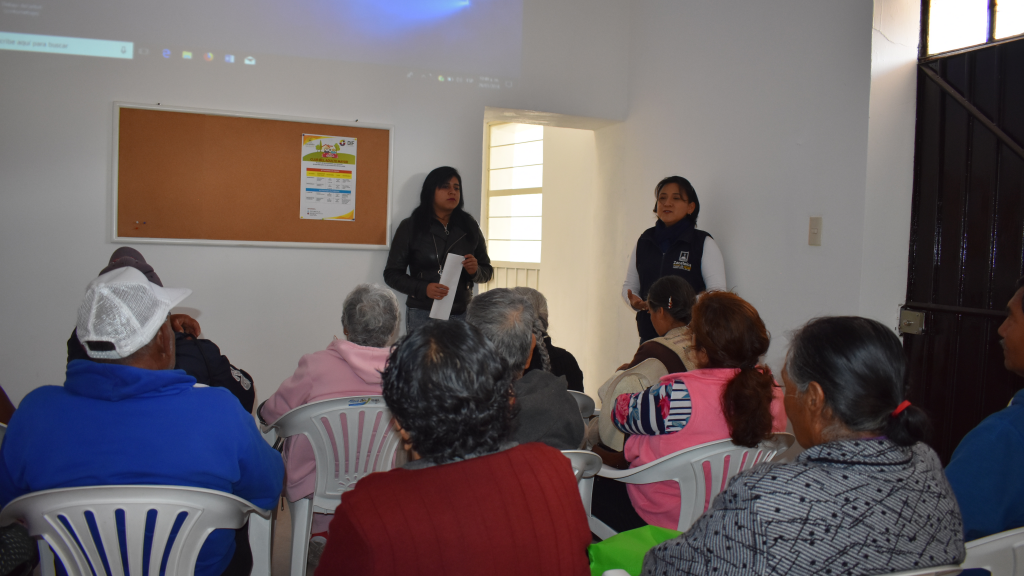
190	176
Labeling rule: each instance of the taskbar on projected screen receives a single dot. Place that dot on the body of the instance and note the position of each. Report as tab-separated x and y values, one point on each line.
461	79
143	54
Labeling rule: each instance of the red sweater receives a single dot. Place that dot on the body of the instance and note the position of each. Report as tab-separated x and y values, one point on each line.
515	512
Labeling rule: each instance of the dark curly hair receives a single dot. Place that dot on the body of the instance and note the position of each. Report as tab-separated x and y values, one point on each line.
449	389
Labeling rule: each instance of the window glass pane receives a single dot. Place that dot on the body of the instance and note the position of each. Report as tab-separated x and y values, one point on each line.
528	228
499	206
502	134
515	178
526	205
525	154
498	250
955	24
499	229
524	251
1009	18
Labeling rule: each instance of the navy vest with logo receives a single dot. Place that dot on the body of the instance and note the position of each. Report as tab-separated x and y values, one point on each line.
682	259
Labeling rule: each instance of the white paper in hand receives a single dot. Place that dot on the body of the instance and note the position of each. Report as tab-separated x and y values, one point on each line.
442	309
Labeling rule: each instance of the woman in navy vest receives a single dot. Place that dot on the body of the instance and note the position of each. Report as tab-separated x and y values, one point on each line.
673	247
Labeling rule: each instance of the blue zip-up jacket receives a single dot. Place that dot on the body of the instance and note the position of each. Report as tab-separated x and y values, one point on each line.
112	424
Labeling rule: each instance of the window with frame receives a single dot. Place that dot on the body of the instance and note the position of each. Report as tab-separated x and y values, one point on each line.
515	192
957	24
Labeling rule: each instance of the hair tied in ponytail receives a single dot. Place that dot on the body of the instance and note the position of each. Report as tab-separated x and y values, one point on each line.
903	406
748	366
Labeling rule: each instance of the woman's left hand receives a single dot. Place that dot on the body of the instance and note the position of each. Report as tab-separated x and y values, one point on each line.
470	264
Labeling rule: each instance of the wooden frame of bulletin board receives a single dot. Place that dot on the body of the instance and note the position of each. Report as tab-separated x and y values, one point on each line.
193	176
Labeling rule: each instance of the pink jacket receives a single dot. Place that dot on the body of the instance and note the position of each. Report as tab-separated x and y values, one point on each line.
658	503
343	369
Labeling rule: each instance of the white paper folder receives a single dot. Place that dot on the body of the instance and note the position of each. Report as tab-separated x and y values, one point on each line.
442	309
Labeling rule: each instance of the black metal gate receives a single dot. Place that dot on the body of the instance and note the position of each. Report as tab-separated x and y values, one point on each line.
967	234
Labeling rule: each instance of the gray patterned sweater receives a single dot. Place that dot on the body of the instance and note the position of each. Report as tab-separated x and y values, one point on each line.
855	507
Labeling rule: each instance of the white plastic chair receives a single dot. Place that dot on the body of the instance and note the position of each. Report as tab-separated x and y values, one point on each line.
701	471
585	465
585	403
81	526
351	437
1001	554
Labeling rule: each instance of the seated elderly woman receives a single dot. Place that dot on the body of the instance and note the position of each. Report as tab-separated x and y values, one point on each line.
469	502
866	497
547	356
351	367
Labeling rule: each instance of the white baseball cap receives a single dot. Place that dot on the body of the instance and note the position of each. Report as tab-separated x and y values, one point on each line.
122	312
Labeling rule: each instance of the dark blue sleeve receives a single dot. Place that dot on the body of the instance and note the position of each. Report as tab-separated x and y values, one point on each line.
985	473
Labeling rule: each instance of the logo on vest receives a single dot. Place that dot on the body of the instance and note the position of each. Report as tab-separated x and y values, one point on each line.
683	263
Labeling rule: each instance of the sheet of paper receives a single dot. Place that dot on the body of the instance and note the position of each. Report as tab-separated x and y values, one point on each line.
442	309
328	181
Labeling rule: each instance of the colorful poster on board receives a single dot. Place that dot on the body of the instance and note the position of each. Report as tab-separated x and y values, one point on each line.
328	190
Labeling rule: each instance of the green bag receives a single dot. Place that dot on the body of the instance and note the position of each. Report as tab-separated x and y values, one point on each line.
626	549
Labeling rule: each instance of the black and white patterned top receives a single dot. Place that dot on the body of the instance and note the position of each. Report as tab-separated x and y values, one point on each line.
855	507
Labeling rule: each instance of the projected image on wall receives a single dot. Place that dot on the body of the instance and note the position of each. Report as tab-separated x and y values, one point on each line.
465	36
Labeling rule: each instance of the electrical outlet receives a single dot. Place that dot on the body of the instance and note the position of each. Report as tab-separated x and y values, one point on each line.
814	233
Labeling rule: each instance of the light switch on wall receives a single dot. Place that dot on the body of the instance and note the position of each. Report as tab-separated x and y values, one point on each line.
814	234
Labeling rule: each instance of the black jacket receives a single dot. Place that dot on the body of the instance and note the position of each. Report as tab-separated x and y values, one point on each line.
415	259
563	363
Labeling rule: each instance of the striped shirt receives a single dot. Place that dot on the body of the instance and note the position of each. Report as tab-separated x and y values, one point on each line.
660	409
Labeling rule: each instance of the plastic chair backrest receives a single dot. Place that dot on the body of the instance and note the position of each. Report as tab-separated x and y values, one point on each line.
585	403
704	470
585	464
82	526
1001	553
351	437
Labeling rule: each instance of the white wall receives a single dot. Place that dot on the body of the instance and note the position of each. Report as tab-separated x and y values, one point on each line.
264	307
890	167
763	106
568	259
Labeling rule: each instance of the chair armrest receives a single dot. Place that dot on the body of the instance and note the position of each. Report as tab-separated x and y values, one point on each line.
260	541
607	471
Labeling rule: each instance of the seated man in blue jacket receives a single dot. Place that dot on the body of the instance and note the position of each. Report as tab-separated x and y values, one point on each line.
987	468
127	417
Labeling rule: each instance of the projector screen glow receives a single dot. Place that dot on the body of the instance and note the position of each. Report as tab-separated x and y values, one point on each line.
428	38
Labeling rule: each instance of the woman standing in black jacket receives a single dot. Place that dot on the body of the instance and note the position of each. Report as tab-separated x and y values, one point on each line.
437	227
